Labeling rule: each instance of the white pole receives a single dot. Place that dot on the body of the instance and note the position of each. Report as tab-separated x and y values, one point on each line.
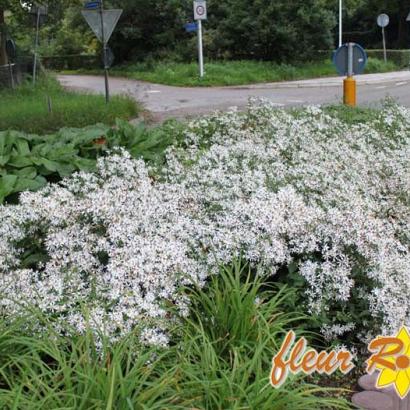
340	23
384	45
200	50
104	42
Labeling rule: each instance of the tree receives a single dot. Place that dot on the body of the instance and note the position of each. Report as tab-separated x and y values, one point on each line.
21	19
3	54
278	30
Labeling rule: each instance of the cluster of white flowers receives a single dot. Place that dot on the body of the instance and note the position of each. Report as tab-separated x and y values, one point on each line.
270	186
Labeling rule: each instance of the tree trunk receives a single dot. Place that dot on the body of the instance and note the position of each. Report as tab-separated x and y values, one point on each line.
3	54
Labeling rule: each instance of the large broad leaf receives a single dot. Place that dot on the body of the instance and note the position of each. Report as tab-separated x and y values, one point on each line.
84	164
4	159
5	143
18	161
25	184
49	165
65	170
22	147
28	172
7	185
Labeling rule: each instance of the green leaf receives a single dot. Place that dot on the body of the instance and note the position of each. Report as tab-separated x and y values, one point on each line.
22	147
28	172
84	164
5	143
25	184
49	165
65	170
4	159
20	162
7	184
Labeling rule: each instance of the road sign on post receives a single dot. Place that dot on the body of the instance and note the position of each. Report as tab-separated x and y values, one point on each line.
350	59
341	59
109	21
200	14
40	12
383	21
102	23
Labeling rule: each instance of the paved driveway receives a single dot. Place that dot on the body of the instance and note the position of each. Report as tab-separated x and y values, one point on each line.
180	102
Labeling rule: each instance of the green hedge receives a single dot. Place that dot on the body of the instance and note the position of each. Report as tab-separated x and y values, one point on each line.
399	57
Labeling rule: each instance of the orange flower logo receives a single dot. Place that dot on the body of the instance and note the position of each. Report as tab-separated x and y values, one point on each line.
392	357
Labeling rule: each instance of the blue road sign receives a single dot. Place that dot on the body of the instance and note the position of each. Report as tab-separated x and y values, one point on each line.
340	59
91	5
191	27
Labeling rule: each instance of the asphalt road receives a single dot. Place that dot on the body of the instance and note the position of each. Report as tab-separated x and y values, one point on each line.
183	102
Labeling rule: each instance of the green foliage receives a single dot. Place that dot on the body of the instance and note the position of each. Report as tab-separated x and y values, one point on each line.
27	109
220	359
276	30
355	310
281	31
375	65
148	143
400	58
27	162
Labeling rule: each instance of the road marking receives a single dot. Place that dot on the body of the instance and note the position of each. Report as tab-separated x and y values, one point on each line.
381	87
402	83
153	91
296	101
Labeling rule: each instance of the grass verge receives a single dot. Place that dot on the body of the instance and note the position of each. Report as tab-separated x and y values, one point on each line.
224	73
27	108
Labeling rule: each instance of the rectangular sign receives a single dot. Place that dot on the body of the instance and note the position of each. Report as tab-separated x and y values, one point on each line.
191	27
200	12
92	5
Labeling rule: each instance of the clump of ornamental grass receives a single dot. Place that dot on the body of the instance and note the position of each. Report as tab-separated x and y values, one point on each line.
220	359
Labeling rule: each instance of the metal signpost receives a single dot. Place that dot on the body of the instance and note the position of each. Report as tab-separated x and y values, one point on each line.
349	60
383	21
11	55
102	23
39	12
340	23
200	13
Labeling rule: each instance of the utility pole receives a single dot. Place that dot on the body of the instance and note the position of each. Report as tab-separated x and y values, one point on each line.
104	42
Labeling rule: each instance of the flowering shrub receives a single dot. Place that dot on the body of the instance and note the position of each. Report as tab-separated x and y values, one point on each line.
329	200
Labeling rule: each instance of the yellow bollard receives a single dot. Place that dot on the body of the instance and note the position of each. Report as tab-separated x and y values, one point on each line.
349	91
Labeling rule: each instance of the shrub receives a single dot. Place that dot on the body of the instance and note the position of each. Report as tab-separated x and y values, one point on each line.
27	161
306	192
